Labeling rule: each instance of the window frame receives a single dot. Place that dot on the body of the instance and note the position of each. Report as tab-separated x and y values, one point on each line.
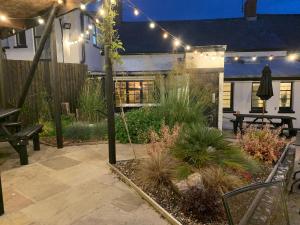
290	108
255	109
95	36
17	40
127	89
231	108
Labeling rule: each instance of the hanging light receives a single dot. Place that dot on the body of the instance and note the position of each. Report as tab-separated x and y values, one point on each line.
101	12
292	57
152	25
165	35
97	20
90	27
271	58
136	12
177	43
236	58
60	2
188	47
41	21
3	18
87	32
82	7
254	58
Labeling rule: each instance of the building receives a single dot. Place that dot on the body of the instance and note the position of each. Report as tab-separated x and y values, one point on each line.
68	28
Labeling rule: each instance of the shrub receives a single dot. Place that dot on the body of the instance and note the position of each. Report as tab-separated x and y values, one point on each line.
201	146
263	144
204	201
91	102
140	122
83	131
159	168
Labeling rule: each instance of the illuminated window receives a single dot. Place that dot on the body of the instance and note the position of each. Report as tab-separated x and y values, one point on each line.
256	103
21	39
134	92
228	96
286	96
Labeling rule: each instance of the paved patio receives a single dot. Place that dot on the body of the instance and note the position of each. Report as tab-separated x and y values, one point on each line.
73	186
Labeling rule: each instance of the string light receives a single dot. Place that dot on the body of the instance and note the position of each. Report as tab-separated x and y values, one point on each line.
87	32
236	58
3	18
152	25
165	35
177	43
41	21
136	12
271	58
102	12
60	2
82	6
188	48
97	20
292	57
254	58
90	27
195	52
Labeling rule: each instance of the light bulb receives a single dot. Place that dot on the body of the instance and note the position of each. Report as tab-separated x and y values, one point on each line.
41	21
152	25
271	58
177	42
3	18
188	48
60	2
136	12
87	32
196	52
82	6
236	58
97	20
292	57
80	39
254	58
90	27
165	35
102	12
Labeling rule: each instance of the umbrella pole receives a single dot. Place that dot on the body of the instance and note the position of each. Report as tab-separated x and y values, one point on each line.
264	107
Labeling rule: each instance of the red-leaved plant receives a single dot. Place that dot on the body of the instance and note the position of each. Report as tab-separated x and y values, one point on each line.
263	144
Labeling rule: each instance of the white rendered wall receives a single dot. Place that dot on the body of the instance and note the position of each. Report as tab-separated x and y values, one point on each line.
242	101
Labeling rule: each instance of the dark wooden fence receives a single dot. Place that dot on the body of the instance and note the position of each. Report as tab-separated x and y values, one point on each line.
71	80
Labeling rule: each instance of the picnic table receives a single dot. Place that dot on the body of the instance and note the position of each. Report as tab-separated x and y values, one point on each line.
260	119
18	138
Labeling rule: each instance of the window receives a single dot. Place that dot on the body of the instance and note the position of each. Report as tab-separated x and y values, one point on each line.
21	40
95	37
134	93
286	97
37	37
256	103
228	97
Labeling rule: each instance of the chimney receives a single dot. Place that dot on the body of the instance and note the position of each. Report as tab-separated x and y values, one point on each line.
250	9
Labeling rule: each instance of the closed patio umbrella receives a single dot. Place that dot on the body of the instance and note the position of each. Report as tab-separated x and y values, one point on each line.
265	89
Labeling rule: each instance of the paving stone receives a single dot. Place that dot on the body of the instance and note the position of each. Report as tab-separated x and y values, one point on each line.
60	163
128	202
14	201
16	219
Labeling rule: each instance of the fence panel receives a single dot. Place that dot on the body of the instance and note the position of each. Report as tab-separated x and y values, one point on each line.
71	80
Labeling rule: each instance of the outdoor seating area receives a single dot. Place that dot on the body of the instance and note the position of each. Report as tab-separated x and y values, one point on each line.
117	112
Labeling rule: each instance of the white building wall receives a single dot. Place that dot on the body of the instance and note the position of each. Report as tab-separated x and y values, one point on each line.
242	101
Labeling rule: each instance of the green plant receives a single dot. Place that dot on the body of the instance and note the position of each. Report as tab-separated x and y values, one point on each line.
160	168
183	171
140	122
92	107
201	146
82	131
263	144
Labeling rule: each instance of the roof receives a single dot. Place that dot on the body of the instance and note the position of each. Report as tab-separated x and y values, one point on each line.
281	68
268	33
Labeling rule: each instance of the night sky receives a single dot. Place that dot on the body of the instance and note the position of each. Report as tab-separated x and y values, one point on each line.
164	10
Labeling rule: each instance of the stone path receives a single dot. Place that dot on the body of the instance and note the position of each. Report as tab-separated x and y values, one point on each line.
73	186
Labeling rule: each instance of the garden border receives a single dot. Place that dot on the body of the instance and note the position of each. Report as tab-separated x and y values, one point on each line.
164	213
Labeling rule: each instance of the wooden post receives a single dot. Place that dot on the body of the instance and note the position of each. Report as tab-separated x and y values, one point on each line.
109	85
54	85
1	199
36	58
2	84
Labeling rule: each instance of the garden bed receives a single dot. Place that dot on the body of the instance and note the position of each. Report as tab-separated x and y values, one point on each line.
167	199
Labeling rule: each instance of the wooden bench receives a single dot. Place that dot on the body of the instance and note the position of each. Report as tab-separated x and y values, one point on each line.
21	139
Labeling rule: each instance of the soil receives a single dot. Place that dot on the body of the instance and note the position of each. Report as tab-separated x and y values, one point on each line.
163	196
